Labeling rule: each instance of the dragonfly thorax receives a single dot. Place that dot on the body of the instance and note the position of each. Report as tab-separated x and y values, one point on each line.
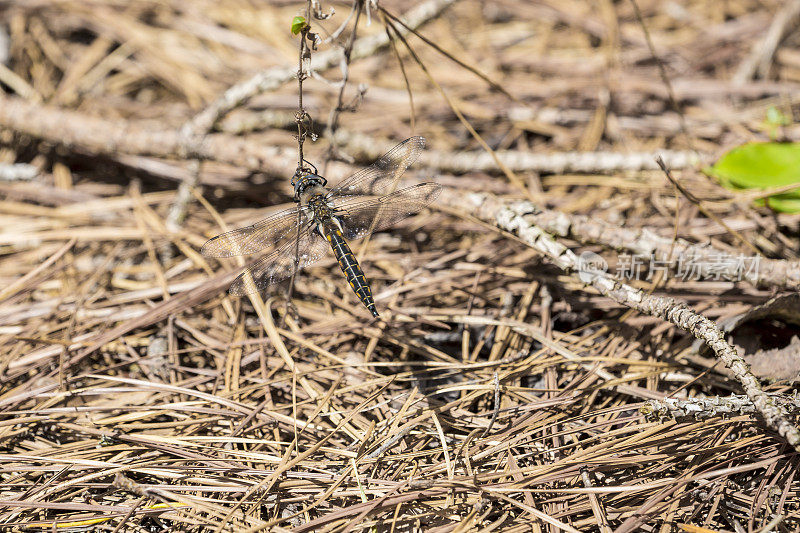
323	214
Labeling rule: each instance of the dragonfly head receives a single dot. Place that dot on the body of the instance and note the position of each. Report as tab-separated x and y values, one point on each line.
303	180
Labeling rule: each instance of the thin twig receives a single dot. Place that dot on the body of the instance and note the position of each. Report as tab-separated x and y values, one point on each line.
302	118
513	178
662	72
496	383
493	84
333	119
365	148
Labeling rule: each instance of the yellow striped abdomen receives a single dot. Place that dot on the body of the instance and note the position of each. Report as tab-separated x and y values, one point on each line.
349	265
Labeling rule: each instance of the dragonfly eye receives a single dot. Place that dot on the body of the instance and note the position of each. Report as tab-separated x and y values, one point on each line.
304	181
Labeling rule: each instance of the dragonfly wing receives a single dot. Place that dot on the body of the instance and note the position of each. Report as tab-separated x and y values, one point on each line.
280	264
380	177
258	236
359	216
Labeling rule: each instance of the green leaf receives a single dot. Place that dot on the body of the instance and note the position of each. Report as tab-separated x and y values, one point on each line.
784	205
763	166
298	24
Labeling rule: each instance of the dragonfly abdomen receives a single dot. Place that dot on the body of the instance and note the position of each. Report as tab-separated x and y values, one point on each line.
349	265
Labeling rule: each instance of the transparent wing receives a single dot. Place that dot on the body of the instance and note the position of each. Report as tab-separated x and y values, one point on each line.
378	178
359	216
258	236
280	264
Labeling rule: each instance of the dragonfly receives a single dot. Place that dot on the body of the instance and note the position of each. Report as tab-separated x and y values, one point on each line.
327	218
